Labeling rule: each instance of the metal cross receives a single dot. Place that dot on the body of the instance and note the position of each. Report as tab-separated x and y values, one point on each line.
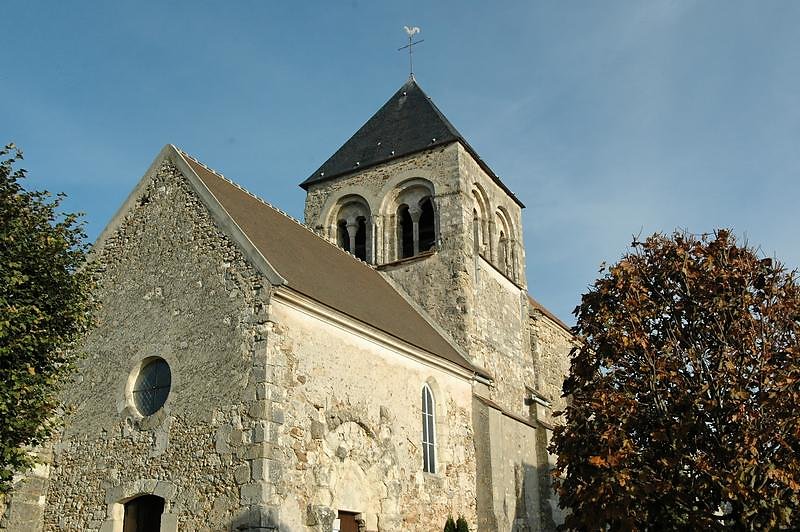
411	42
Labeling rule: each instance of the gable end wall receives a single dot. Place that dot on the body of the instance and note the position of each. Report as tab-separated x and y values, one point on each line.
171	285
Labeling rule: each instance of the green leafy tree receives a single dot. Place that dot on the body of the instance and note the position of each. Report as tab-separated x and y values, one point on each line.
684	392
45	306
450	524
461	524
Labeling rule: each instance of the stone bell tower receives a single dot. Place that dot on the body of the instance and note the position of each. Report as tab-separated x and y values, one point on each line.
409	195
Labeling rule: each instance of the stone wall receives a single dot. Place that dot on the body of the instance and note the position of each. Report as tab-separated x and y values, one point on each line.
551	344
512	502
28	495
485	195
438	282
463	286
351	438
171	286
500	342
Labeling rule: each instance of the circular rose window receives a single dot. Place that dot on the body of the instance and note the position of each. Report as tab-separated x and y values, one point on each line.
152	386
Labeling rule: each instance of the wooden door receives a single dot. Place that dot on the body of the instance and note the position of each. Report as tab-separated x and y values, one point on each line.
347	522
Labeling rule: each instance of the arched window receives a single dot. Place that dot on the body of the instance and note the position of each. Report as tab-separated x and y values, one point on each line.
416	228
352	236
352	218
405	232
411	206
143	514
427	230
428	431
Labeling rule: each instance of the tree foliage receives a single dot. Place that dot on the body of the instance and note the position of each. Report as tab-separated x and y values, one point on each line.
684	392
45	305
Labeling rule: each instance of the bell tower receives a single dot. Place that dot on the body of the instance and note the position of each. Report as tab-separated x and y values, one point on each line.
434	219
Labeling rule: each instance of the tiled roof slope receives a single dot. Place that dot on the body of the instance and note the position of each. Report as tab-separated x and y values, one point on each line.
323	272
541	308
408	123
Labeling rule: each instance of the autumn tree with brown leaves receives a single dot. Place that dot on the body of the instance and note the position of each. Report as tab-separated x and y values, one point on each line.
684	392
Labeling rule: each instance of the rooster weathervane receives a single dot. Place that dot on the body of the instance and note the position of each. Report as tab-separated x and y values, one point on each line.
413	30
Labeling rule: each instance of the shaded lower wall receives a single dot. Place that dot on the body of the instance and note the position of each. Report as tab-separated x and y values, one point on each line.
514	492
23	508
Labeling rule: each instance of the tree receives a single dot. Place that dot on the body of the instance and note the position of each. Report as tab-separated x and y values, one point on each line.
45	306
450	524
684	392
461	524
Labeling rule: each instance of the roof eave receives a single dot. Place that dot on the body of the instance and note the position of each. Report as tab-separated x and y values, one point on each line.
315	180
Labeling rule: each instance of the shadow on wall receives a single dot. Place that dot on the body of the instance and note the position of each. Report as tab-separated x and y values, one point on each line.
534	499
258	519
265	519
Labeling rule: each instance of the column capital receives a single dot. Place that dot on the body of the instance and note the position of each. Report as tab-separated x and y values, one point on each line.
415	212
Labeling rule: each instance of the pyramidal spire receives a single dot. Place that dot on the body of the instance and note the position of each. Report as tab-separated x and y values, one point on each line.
408	123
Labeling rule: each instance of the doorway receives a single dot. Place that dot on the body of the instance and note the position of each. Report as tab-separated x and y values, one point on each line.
143	514
347	522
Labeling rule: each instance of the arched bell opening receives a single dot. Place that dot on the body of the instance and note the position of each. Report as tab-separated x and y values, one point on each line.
353	231
405	232
360	250
343	235
427	227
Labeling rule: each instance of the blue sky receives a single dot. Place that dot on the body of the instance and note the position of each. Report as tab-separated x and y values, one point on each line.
608	119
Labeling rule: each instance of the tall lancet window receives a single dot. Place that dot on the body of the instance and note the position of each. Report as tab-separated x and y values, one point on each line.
428	431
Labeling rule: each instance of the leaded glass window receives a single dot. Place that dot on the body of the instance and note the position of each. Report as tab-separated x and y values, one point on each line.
428	431
152	386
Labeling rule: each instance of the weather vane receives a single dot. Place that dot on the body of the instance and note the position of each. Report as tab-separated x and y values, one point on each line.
411	42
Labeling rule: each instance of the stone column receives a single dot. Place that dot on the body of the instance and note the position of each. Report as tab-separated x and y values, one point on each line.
375	254
352	229
415	212
491	245
437	231
514	262
389	235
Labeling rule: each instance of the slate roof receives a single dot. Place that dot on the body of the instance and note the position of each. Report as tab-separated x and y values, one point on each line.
317	269
408	123
535	305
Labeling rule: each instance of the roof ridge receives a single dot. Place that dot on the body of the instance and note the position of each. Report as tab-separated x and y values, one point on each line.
271	206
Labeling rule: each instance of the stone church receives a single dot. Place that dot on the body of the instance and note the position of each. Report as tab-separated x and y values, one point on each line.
379	367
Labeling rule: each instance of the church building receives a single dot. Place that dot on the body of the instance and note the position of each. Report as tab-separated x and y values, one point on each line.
377	367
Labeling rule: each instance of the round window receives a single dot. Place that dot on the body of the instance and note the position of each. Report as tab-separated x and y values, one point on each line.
152	385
